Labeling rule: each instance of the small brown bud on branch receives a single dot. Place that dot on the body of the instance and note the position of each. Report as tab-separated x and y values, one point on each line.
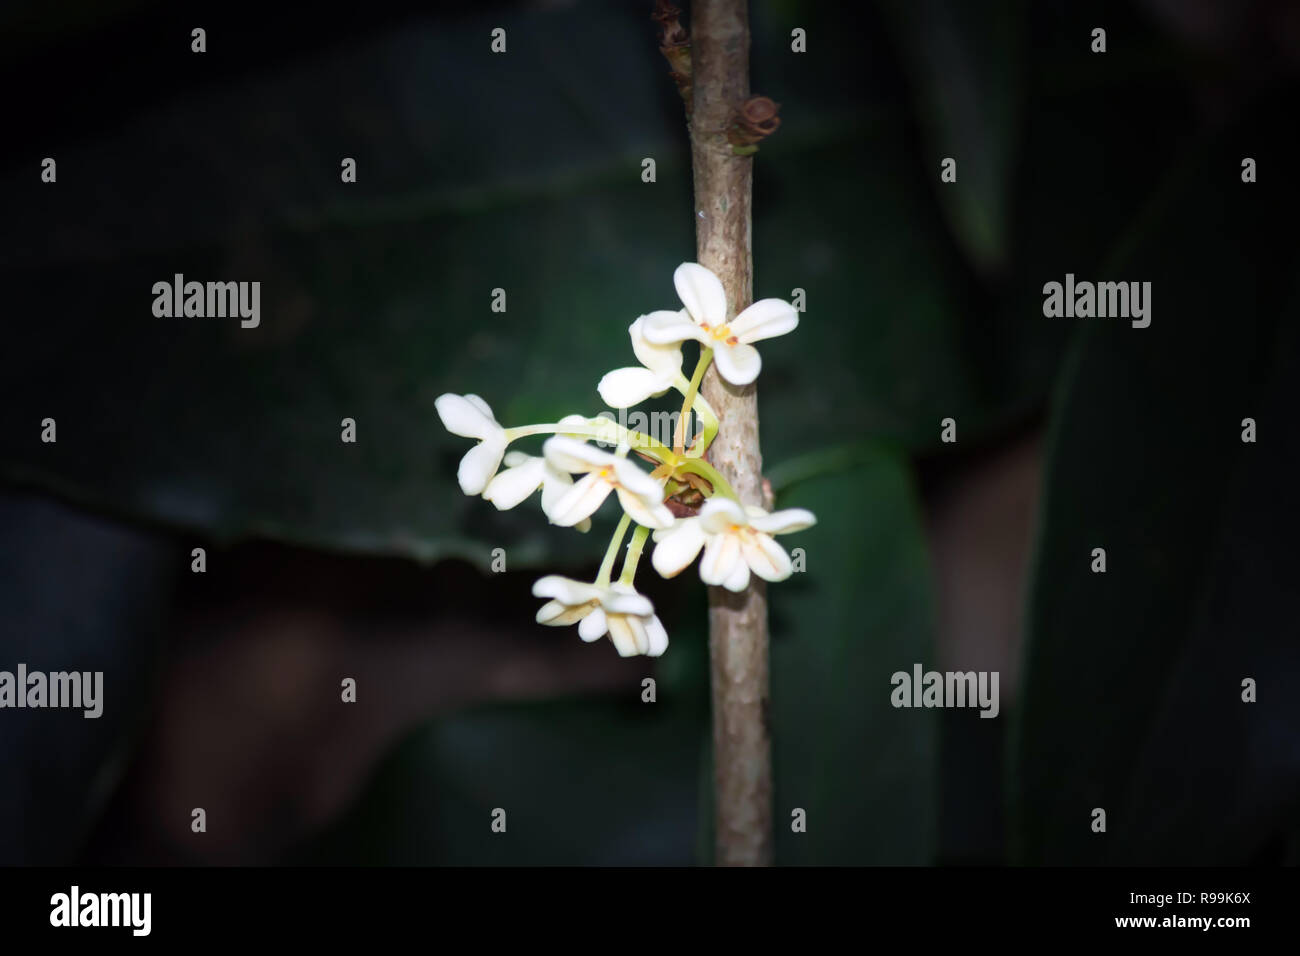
669	19
675	45
755	120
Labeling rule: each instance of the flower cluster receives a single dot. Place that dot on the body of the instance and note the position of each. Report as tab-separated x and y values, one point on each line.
736	540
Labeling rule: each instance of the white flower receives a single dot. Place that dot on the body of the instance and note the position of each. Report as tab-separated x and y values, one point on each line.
625	387
639	494
735	540
705	320
523	475
616	609
470	417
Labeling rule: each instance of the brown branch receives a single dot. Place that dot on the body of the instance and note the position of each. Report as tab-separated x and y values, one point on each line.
675	45
737	622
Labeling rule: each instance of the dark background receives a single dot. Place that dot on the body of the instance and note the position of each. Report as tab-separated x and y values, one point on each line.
522	171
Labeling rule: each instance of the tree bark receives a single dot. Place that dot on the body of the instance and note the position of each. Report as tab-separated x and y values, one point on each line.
737	622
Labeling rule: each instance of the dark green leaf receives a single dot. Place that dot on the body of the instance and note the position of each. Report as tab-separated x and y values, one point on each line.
76	595
864	771
1132	693
475	172
581	783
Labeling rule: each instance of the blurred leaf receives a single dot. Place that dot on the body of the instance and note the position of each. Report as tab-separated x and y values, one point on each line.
1132	688
865	772
476	172
619	782
965	62
76	594
583	783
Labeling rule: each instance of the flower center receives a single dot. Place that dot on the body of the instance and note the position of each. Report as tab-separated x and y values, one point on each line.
722	334
606	474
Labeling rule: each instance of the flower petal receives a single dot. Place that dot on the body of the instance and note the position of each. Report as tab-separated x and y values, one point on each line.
566	589
765	319
466	415
765	557
738	364
785	521
623	599
481	405
571	455
721	555
629	386
554	484
671	328
677	547
515	484
557	613
621	633
664	360
719	514
640	633
702	293
652	514
580	501
550	611
593	626
738	580
658	636
638	482
480	464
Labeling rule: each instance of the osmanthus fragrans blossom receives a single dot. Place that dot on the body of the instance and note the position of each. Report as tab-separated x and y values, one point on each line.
470	417
614	609
683	499
661	369
524	474
640	495
705	320
735	540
